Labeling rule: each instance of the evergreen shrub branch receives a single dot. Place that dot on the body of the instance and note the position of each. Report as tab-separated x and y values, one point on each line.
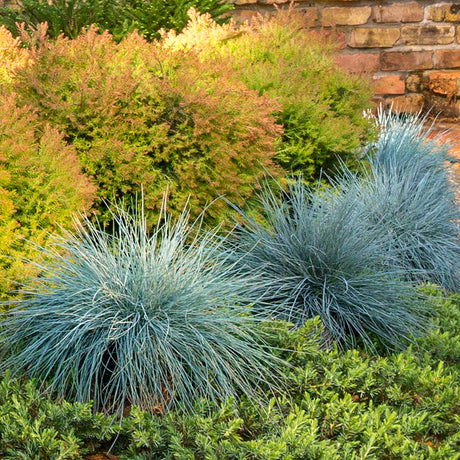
140	114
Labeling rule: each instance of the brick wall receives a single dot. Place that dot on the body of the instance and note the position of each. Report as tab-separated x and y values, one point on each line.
410	48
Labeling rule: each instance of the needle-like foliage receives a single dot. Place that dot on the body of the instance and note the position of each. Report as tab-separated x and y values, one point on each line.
406	143
410	197
129	318
319	256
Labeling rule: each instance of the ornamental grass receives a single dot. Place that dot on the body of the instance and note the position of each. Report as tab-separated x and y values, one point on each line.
129	318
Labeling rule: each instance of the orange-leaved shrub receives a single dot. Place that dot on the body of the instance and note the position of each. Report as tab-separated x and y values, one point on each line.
12	55
321	105
142	115
41	186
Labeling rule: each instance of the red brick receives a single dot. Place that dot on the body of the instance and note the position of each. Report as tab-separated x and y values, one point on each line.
410	103
358	63
406	60
391	84
347	16
444	83
428	35
447	12
332	35
447	59
399	12
374	37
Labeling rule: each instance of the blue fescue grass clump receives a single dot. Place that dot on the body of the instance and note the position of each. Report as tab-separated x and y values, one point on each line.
319	256
127	318
353	253
411	198
406	143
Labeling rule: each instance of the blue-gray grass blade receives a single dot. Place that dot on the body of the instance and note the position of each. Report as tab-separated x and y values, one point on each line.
135	318
319	256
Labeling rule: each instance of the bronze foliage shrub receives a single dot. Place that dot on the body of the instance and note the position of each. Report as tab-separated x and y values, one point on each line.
140	114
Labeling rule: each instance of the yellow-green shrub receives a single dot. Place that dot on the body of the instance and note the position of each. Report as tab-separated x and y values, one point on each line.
40	187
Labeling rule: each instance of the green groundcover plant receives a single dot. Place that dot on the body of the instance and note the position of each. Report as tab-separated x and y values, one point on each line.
336	404
127	318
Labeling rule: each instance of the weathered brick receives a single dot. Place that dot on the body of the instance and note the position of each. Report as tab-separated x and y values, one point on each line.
390	84
347	16
410	103
244	2
428	35
244	15
446	12
310	17
375	37
399	12
447	59
413	83
406	60
358	63
458	34
272	2
444	83
328	34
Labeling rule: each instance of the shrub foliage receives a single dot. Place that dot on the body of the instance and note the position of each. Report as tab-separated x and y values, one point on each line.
119	17
12	56
321	105
137	114
40	187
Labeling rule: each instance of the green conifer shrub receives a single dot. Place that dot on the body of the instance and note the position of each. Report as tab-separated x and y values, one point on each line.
119	17
41	186
321	105
138	114
149	16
